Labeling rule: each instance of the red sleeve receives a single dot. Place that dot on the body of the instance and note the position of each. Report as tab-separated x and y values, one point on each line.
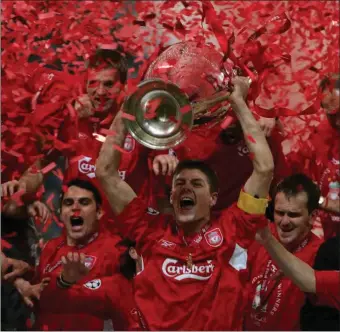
137	222
106	298
281	169
243	226
328	288
45	253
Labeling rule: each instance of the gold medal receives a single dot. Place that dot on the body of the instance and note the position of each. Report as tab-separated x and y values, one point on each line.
189	261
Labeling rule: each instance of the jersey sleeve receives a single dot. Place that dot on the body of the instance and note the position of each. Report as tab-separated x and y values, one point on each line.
139	222
281	169
328	288
245	217
107	298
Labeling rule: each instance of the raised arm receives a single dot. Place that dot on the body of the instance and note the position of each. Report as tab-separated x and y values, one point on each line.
32	179
259	182
330	205
118	192
294	268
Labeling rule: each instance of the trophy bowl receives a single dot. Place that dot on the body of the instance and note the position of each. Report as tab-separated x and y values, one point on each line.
188	82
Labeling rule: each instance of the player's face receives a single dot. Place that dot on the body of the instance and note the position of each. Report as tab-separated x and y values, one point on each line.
191	197
293	222
80	214
138	259
102	86
331	105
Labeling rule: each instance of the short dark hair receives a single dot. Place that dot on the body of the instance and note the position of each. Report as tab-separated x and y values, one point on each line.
127	265
109	59
327	80
297	183
87	185
201	166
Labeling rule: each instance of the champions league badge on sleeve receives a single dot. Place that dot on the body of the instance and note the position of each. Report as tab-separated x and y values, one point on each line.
152	211
93	284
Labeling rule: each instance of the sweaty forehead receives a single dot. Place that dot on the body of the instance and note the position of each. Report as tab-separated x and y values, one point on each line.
103	74
291	203
191	174
76	192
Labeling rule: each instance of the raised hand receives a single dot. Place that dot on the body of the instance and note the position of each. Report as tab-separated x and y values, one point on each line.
84	107
267	125
39	209
11	187
240	91
164	164
30	292
74	267
263	235
19	268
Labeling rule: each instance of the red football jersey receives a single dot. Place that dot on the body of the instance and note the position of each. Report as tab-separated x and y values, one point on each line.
327	288
191	284
274	301
319	159
102	258
133	167
231	162
95	305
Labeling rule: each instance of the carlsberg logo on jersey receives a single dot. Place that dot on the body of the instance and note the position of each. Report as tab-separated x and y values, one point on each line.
86	167
179	271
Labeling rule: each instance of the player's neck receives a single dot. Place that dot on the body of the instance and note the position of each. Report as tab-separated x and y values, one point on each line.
79	242
194	226
300	242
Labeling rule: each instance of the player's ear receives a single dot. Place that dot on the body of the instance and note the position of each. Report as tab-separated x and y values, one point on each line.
99	212
213	199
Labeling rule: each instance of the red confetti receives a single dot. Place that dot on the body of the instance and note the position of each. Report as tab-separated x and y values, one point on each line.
64	188
46	15
107	132
120	149
151	108
185	109
75	159
48	168
16	197
251	139
5	244
128	116
227	122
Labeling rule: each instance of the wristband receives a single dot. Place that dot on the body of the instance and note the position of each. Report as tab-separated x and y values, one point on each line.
62	283
252	205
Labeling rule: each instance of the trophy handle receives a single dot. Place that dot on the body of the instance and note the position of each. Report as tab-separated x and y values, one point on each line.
201	106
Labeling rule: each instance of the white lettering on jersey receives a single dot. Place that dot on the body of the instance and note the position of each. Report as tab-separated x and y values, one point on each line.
50	268
239	258
122	174
172	269
242	150
85	167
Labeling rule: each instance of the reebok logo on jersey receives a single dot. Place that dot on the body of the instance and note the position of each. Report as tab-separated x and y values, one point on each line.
167	244
152	211
86	167
179	271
